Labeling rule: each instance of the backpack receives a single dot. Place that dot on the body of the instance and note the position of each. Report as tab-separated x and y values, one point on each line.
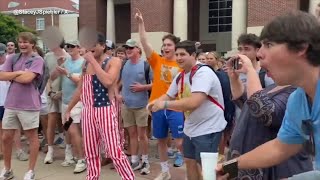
40	83
229	110
262	75
146	67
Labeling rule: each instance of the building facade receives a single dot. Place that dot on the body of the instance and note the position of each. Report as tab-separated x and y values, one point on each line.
215	23
39	14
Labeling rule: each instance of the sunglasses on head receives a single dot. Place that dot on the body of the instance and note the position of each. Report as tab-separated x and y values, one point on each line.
70	46
307	129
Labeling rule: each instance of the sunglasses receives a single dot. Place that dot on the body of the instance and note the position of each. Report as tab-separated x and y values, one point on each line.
127	47
70	46
307	129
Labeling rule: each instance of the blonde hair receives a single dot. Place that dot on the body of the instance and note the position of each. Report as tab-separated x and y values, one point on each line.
215	54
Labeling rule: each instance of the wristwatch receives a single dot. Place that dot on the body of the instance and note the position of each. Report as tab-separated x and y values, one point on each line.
69	75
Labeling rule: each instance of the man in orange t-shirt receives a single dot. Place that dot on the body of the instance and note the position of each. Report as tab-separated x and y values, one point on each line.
164	70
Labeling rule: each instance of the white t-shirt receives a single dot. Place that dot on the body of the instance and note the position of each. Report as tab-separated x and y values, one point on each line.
208	117
4	87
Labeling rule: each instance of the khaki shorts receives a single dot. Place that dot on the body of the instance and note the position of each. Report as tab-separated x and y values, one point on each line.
54	106
15	119
75	113
134	117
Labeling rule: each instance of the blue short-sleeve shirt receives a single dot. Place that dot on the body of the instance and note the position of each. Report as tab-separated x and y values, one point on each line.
300	109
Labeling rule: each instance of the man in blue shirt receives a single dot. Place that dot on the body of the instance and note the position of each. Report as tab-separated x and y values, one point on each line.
135	85
290	52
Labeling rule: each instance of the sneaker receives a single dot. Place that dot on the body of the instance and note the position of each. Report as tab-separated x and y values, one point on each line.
171	155
80	166
49	158
22	156
163	176
153	138
43	143
68	163
179	160
29	176
58	141
23	138
145	169
6	174
62	145
136	166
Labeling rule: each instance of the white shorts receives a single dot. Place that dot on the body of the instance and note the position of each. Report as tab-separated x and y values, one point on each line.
44	109
75	113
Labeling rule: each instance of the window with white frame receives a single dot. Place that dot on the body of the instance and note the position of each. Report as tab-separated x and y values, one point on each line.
40	24
220	16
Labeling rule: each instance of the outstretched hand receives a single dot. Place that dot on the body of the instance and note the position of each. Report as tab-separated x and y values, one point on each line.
138	16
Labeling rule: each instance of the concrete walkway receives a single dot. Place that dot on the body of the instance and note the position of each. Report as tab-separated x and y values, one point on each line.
56	172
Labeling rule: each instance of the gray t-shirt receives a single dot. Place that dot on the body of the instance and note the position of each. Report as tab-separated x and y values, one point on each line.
268	81
132	73
52	62
208	117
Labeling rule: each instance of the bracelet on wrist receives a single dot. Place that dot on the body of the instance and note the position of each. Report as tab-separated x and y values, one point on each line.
165	105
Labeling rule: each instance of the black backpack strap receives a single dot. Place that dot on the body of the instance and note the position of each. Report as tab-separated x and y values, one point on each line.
146	71
262	75
84	69
123	64
15	59
105	62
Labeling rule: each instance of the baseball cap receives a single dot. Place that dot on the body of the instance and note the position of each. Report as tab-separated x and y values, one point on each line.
3	48
74	43
131	43
110	44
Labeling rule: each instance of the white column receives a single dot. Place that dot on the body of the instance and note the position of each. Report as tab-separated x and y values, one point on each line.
312	6
111	33
180	19
239	20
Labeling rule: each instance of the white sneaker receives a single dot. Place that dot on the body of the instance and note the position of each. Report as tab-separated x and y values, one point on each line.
22	156
49	158
68	163
29	176
80	166
163	176
6	174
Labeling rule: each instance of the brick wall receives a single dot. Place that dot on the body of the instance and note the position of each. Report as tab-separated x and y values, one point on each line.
158	15
123	22
193	20
261	11
93	14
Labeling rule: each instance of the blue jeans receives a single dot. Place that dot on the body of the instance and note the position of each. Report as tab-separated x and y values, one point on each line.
193	146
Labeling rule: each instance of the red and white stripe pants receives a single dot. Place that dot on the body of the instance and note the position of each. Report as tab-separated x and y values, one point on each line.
99	125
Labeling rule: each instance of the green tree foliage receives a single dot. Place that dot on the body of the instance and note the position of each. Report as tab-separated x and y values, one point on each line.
10	28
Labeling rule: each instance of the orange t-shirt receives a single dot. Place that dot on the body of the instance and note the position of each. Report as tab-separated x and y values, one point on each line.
164	71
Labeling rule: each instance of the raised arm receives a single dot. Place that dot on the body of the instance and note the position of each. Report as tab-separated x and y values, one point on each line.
143	35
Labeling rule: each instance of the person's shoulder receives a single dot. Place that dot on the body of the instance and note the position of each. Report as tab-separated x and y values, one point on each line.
296	99
204	69
49	56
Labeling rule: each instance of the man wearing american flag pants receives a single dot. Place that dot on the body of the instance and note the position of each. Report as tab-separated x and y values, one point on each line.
99	124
